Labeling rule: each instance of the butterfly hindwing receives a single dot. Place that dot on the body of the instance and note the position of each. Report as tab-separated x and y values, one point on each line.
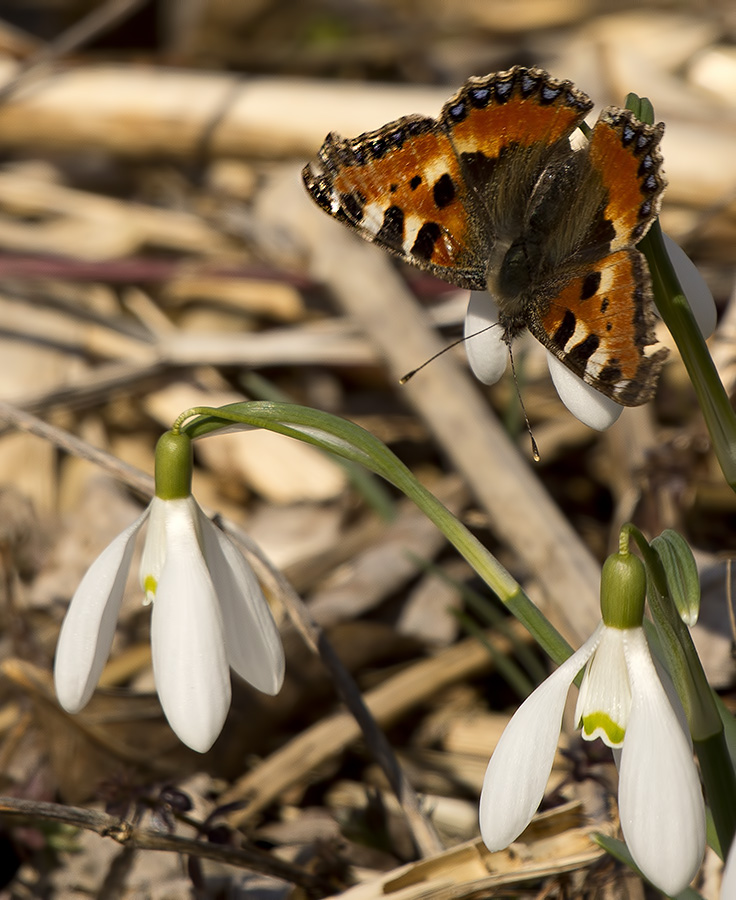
600	324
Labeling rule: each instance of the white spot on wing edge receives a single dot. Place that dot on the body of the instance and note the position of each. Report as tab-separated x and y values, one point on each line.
412	224
372	220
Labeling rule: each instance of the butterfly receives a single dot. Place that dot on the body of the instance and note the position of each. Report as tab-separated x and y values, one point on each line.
492	196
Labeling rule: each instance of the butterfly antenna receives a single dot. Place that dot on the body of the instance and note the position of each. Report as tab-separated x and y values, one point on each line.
460	340
535	449
409	375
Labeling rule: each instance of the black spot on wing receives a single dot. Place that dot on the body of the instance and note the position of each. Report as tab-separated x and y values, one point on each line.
391	231
351	205
478	166
582	352
425	241
611	373
591	283
443	191
565	330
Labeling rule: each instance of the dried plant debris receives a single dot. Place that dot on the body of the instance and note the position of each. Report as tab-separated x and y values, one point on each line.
158	252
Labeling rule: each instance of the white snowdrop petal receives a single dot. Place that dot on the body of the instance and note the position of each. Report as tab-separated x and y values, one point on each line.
154	549
519	768
189	662
484	344
253	643
660	798
89	626
604	700
586	403
694	287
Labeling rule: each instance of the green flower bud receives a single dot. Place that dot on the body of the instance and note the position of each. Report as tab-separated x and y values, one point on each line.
173	469
623	591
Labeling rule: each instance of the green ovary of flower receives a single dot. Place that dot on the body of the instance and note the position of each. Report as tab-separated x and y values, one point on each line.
173	466
598	722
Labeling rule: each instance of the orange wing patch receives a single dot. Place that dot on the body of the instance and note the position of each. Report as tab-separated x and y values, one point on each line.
625	152
515	108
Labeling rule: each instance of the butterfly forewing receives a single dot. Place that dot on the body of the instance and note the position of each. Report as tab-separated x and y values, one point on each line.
400	187
626	157
506	129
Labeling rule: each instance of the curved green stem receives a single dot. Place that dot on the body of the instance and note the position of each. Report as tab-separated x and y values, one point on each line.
349	441
672	304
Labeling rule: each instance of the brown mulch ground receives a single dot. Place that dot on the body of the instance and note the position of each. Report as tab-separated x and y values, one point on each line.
157	251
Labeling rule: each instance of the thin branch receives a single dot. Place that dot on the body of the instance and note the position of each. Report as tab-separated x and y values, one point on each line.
99	20
425	837
128	835
70	443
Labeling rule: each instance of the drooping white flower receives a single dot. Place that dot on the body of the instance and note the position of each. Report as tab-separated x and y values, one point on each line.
485	347
693	286
209	615
587	404
623	701
488	354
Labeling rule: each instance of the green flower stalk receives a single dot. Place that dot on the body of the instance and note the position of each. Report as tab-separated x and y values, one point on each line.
678	317
682	313
350	441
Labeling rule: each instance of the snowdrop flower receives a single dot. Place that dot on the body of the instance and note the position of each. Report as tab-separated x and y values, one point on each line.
488	354
209	613
623	701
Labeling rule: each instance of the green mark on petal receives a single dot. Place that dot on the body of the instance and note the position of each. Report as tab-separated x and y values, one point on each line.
149	586
600	724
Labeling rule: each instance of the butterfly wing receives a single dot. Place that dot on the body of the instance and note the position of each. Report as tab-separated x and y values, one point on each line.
601	326
595	313
495	170
400	187
506	130
625	159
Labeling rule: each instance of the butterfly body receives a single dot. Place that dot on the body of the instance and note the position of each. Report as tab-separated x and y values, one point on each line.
491	196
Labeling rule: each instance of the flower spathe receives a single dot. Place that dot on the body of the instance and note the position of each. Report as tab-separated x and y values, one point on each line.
623	701
209	615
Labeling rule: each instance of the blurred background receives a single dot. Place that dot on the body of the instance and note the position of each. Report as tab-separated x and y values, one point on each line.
158	251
